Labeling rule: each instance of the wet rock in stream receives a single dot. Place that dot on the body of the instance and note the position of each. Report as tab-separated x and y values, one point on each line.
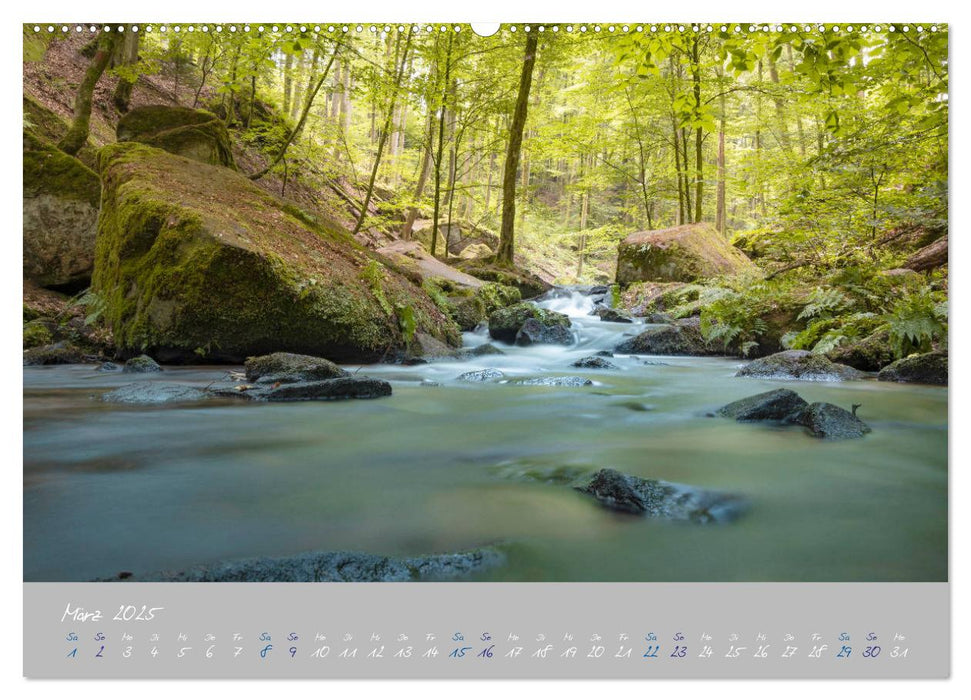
480	375
822	420
333	566
661	499
594	362
154	393
141	364
554	381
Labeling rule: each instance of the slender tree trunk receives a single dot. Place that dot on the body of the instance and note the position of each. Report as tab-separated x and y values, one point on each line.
677	168
426	163
75	138
507	238
287	82
128	57
399	76
699	155
303	117
441	146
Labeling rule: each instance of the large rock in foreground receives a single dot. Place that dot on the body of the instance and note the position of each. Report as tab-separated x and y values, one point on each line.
798	364
660	499
526	324
61	198
196	263
333	566
192	133
771	405
830	422
929	368
681	254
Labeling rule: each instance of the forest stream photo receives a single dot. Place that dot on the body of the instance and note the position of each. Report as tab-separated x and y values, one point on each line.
382	302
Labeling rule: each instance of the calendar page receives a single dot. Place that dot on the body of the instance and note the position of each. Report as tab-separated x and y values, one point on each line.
484	351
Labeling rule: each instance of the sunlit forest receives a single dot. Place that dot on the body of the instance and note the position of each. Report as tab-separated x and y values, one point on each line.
408	198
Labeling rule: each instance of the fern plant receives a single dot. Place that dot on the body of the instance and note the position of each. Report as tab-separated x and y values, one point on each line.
916	321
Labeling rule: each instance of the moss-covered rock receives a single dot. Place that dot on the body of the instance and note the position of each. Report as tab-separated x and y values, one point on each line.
192	133
55	354
61	197
681	254
929	368
505	324
195	262
798	364
472	309
143	364
37	332
528	284
286	367
672	339
869	354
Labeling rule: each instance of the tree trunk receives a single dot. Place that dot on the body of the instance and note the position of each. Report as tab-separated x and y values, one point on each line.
399	76
426	162
699	156
303	118
287	82
73	141
128	57
441	146
507	231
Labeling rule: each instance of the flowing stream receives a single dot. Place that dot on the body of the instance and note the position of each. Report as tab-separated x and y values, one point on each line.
438	467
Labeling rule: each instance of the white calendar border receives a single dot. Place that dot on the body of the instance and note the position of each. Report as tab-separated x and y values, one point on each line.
488	10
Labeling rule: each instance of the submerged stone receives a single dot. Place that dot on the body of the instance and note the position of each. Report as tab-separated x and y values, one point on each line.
594	362
352	387
482	350
480	375
661	499
555	381
334	566
779	405
151	393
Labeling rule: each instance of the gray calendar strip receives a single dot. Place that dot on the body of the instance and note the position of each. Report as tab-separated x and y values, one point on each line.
486	630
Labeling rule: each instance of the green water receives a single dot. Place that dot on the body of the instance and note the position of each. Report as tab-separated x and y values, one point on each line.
109	488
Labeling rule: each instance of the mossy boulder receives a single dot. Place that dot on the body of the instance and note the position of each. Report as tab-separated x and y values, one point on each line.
286	367
37	332
506	324
61	198
192	133
798	364
869	354
681	254
195	262
475	306
56	354
528	284
671	339
929	368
